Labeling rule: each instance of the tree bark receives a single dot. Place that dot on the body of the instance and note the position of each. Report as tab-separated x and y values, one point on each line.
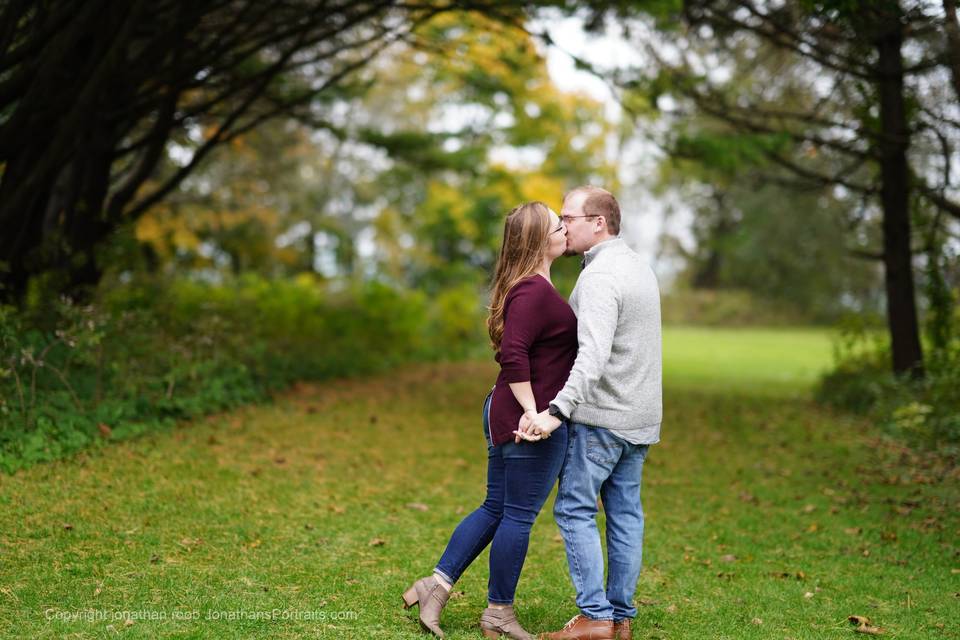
895	201
953	43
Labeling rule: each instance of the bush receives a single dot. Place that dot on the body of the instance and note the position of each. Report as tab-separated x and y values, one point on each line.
149	353
728	307
923	412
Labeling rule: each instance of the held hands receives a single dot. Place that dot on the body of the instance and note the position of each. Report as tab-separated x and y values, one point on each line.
536	426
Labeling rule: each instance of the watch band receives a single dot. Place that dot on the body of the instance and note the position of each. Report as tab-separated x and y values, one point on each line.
554	410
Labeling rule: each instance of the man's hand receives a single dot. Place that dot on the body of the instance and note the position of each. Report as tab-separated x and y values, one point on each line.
539	428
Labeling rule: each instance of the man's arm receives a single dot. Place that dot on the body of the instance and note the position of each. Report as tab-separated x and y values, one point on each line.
597	317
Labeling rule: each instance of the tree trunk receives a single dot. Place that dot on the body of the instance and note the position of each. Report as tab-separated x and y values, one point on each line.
953	43
894	198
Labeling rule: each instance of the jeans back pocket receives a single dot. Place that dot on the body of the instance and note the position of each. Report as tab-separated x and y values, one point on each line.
601	448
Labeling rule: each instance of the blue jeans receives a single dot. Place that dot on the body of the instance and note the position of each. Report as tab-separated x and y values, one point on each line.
520	477
600	463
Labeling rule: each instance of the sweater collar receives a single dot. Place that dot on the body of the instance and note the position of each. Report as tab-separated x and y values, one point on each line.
590	254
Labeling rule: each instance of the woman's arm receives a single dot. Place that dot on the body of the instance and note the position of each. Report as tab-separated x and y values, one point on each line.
523	392
521	327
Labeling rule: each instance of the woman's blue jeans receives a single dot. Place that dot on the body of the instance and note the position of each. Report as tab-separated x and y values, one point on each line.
520	477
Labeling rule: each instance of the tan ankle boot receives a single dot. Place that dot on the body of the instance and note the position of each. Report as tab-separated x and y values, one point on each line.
431	597
496	622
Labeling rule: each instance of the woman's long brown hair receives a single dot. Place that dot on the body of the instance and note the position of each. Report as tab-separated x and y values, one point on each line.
524	247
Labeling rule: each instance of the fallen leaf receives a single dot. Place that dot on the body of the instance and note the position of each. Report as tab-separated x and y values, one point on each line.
867	629
728	558
67	526
419	506
757	621
808	595
377	542
671	608
105	430
810	508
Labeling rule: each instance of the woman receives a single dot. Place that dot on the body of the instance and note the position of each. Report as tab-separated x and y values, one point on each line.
534	334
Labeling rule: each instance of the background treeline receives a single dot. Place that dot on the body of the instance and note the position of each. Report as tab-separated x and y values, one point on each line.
203	201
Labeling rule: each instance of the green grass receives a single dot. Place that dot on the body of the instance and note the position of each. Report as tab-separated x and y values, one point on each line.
766	516
755	361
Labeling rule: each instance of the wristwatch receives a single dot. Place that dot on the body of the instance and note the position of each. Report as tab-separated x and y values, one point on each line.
554	410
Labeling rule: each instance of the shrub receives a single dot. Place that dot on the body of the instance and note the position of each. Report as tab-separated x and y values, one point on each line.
923	412
151	352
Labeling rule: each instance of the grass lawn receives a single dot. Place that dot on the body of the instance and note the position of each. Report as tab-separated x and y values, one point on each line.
766	516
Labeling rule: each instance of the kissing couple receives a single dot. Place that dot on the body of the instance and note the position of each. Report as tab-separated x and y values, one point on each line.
578	398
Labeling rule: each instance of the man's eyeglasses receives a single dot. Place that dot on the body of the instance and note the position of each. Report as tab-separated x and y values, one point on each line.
567	219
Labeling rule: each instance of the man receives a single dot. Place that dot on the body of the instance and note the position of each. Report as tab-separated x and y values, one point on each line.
613	399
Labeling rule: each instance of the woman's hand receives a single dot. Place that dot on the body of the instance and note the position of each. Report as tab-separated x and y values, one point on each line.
527	418
524	425
539	427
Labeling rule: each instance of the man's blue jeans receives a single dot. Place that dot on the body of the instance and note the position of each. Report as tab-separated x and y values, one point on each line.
520	477
600	463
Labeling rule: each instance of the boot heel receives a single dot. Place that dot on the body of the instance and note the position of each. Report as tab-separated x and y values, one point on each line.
410	597
491	634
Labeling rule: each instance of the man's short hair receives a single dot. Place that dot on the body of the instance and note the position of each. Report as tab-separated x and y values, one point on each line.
599	202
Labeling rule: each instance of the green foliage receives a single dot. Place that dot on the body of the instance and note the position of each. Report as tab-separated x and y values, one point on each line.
729	152
729	308
150	353
788	248
922	412
941	320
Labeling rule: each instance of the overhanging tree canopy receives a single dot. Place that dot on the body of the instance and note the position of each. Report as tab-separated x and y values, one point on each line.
92	93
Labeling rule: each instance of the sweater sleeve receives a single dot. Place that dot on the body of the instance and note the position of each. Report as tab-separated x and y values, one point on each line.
522	325
597	318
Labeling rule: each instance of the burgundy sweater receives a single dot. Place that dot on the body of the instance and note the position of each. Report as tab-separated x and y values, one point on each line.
539	344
